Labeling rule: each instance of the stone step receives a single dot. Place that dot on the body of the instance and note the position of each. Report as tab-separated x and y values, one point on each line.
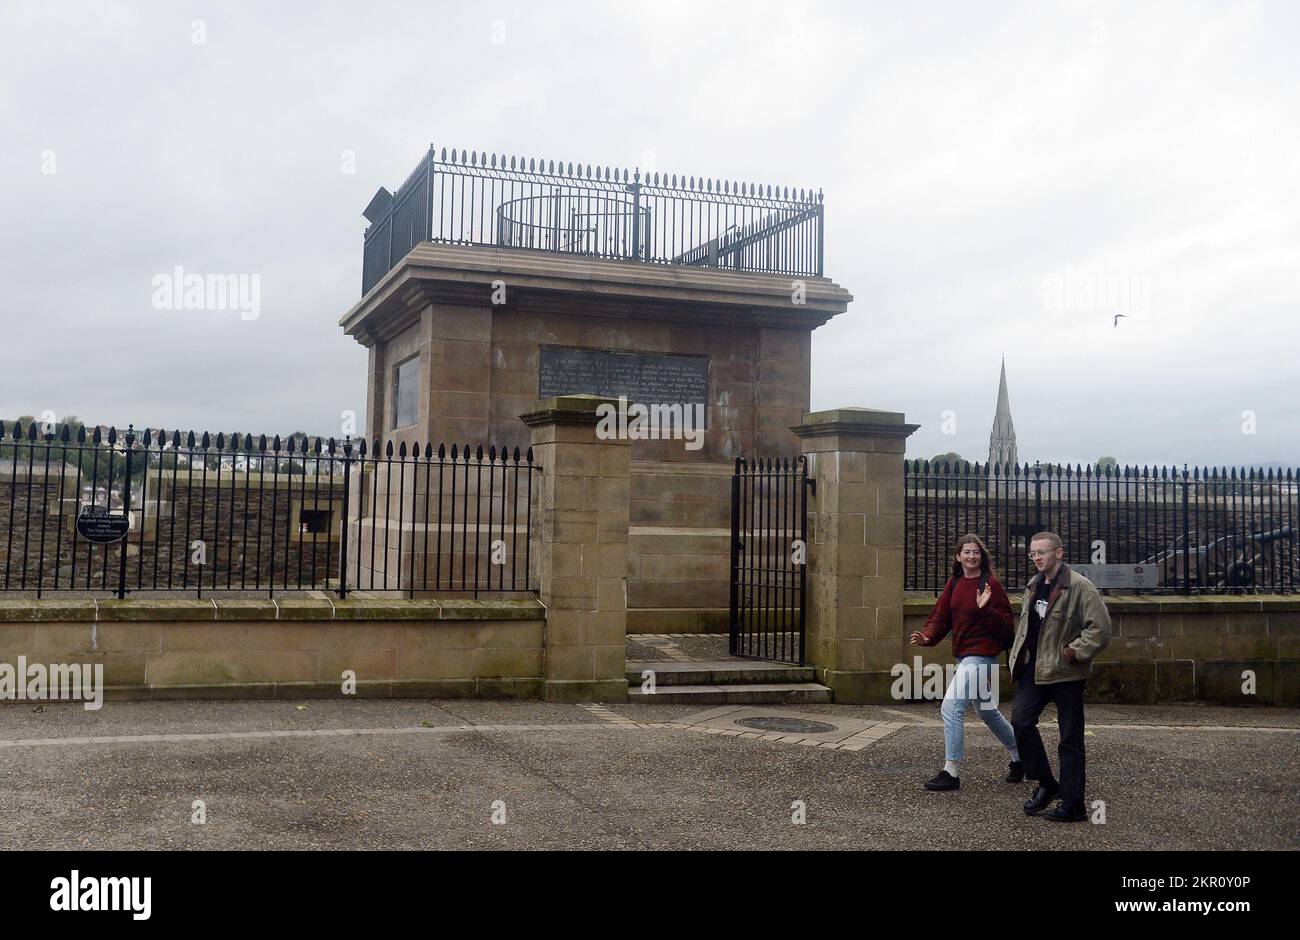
721	672
766	693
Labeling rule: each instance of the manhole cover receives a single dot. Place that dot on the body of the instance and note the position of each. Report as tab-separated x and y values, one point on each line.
787	725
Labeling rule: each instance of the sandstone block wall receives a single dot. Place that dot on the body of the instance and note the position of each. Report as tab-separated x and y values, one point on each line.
1173	649
293	647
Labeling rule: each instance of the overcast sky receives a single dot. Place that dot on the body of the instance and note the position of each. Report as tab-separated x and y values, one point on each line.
1000	178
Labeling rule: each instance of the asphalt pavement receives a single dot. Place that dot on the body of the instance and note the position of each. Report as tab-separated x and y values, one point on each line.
416	774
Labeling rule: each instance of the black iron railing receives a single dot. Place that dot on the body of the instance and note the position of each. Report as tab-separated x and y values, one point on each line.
101	513
1202	530
472	198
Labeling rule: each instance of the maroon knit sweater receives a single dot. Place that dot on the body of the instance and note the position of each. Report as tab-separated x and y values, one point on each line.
975	632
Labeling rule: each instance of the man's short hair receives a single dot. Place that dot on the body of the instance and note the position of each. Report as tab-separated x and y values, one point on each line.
1047	537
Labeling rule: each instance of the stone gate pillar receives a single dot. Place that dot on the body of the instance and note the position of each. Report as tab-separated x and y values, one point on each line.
579	549
855	553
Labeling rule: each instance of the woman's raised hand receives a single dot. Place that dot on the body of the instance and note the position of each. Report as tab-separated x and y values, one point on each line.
984	596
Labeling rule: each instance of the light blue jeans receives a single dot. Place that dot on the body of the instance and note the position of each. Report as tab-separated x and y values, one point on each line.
973	683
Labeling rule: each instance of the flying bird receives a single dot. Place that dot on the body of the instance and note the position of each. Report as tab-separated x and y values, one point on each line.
1115	322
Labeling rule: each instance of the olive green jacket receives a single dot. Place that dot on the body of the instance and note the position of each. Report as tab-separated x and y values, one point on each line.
1076	617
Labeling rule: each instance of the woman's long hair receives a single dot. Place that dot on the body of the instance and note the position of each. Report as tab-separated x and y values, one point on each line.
986	560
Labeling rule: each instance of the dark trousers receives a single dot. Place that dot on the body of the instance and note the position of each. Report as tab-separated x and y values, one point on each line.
1030	701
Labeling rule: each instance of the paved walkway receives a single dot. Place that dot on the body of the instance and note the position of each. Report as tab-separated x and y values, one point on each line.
703	647
679	647
420	774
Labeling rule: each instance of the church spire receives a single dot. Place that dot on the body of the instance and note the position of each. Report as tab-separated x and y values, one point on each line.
1002	439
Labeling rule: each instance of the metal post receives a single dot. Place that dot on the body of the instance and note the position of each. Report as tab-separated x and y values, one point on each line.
1038	496
126	509
735	555
806	484
388	265
1187	539
557	210
343	522
821	227
428	198
636	214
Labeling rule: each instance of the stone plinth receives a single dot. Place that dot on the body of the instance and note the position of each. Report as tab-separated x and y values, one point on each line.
579	549
855	551
475	320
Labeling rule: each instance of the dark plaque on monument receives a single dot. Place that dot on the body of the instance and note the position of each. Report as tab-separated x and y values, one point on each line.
647	378
96	524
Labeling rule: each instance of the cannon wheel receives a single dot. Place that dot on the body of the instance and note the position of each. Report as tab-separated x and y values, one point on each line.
1241	574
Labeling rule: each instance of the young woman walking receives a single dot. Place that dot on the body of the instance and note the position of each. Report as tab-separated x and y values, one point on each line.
974	609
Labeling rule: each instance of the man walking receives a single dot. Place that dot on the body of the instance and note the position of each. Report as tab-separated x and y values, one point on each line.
1063	625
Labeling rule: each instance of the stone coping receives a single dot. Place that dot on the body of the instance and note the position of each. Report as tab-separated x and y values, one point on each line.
555	282
287	608
853	416
1147	604
850	421
566	409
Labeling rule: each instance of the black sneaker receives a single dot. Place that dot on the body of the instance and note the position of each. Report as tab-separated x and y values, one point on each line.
1067	812
1015	772
1044	795
943	781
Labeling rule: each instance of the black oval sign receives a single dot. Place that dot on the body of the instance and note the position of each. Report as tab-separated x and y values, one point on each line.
97	524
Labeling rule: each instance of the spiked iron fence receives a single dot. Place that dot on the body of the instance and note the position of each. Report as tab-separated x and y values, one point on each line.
236	514
472	198
1205	530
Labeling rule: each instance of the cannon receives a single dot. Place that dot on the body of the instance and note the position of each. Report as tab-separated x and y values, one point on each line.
1227	563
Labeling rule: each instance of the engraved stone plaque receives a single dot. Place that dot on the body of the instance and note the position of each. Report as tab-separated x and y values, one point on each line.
647	378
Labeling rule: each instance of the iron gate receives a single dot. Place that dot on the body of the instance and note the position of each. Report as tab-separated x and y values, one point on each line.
769	537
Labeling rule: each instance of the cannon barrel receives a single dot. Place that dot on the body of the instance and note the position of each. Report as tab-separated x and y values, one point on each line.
1273	535
1237	541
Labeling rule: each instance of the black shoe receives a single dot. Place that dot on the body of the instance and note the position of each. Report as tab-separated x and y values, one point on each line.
1067	812
1015	772
1045	793
943	781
